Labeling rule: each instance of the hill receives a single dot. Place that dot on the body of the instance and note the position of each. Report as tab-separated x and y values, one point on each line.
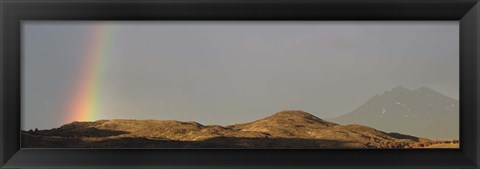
286	129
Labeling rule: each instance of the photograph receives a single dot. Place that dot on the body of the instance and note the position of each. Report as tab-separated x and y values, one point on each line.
240	84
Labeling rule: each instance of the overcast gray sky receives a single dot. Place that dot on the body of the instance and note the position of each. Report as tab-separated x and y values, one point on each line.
233	72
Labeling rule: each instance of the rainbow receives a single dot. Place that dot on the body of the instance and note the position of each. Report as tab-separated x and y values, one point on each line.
85	104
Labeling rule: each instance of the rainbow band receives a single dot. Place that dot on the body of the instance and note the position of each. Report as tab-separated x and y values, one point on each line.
86	102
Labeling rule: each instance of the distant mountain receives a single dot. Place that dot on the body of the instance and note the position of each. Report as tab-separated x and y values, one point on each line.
286	129
421	112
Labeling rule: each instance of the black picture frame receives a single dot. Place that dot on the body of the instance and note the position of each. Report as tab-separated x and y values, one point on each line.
12	12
